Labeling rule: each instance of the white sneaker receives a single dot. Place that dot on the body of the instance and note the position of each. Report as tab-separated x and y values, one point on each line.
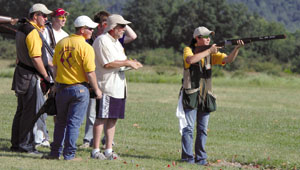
85	145
112	156
46	144
98	155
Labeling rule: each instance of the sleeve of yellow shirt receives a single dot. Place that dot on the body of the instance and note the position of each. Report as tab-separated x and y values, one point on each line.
217	58
34	43
187	52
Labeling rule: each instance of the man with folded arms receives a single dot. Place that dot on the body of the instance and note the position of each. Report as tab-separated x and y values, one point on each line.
110	59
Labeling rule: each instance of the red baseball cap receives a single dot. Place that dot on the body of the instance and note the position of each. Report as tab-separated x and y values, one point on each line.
59	12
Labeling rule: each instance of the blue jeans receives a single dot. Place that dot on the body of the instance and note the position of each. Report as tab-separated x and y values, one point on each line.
187	137
71	104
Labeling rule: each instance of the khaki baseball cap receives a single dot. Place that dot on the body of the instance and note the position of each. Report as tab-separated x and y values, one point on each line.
84	20
202	31
113	20
39	7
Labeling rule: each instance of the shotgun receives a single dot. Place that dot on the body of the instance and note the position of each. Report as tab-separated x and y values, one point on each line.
245	40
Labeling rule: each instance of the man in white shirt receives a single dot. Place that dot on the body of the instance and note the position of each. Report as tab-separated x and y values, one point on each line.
128	36
53	33
110	59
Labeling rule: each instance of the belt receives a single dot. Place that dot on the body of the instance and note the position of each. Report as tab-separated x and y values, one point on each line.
70	85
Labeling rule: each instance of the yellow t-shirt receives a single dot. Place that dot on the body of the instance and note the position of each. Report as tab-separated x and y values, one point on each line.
216	58
74	57
34	42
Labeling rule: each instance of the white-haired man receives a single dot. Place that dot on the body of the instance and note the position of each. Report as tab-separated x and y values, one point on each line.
110	58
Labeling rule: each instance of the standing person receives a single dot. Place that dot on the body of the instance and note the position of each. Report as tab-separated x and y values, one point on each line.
197	90
52	33
110	57
31	67
129	36
101	19
74	67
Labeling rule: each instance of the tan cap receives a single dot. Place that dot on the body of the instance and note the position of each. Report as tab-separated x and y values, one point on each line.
113	20
202	31
39	7
83	20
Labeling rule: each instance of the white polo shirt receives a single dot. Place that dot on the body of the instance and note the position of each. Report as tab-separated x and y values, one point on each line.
111	81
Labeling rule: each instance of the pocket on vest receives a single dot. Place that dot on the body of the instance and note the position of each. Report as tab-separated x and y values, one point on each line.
190	101
210	104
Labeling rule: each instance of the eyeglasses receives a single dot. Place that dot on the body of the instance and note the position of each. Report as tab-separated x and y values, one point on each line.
62	17
122	25
91	29
204	36
42	14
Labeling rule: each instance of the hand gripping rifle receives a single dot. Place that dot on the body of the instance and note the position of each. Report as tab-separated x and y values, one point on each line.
245	40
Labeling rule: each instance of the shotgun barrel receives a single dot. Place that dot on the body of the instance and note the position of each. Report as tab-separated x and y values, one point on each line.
245	40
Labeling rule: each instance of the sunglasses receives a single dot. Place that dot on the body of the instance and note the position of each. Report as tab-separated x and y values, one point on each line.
62	17
42	14
122	25
204	36
91	29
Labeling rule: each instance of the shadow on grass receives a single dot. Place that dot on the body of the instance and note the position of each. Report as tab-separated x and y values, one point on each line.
148	157
21	155
4	144
6	152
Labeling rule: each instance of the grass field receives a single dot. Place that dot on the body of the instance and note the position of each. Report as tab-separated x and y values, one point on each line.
256	125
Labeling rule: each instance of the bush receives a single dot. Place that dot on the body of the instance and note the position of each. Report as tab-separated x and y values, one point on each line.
217	71
8	49
267	67
159	56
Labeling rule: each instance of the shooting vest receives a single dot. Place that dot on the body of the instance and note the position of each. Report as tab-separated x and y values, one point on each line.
25	69
197	87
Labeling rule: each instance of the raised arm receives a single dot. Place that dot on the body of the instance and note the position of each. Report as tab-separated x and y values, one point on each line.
197	57
232	56
130	35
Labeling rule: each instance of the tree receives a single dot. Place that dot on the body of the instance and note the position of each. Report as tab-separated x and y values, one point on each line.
150	20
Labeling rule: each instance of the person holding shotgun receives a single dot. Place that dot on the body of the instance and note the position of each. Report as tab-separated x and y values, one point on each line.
30	69
197	97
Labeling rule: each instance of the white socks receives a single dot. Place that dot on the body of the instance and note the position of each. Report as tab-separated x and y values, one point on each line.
95	151
108	151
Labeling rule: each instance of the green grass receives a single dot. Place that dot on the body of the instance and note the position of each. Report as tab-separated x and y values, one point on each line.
6	69
256	123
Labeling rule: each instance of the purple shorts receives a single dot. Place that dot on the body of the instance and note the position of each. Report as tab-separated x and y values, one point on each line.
109	107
